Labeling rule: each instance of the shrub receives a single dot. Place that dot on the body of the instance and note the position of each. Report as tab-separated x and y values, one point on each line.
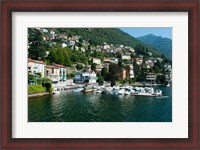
46	82
79	66
36	89
30	77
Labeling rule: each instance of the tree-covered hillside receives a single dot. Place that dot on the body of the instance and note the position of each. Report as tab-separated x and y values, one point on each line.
97	36
164	45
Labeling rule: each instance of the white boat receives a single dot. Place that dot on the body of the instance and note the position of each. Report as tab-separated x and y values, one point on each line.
108	89
78	90
168	85
116	87
99	91
147	91
157	93
121	92
56	92
88	88
128	91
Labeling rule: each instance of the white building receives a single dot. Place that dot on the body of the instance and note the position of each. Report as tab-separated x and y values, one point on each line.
96	60
126	57
168	66
106	46
93	77
62	72
36	66
64	45
131	71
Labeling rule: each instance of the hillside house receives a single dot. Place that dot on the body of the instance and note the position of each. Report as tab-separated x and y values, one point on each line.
96	61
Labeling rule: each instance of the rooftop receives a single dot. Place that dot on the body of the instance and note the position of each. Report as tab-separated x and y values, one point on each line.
36	61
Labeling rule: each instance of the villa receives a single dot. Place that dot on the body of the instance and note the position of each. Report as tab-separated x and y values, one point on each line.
62	72
36	66
52	72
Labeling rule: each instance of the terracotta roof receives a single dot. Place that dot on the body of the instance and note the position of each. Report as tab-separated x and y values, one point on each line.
55	67
61	66
36	61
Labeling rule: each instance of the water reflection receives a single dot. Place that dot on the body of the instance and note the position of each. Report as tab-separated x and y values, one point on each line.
80	107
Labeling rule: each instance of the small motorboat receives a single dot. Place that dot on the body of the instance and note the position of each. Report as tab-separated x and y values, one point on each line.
56	92
99	91
121	92
78	90
127	92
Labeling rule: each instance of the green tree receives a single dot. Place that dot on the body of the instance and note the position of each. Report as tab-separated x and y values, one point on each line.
161	79
114	71
104	73
60	56
120	64
93	67
100	80
79	66
37	46
73	58
52	56
46	82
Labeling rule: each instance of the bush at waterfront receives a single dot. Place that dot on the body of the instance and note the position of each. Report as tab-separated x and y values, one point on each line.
46	82
32	89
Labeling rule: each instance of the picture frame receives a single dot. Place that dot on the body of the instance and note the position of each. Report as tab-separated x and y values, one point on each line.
10	6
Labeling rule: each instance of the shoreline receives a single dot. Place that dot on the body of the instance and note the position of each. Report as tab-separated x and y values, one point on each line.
68	89
38	94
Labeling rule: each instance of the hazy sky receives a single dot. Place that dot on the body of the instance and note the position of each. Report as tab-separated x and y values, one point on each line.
137	32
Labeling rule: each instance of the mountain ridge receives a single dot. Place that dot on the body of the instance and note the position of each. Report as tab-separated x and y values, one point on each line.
163	44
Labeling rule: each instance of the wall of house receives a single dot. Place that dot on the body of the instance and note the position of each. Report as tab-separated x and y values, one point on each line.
37	68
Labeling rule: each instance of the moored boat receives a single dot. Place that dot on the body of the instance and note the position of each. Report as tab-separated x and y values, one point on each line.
88	88
121	91
78	90
56	92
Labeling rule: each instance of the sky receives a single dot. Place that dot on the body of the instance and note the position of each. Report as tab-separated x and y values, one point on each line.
137	32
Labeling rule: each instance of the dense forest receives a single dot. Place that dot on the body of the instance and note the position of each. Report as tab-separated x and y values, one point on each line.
164	45
97	36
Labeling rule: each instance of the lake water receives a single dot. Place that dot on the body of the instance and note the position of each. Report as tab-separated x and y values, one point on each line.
91	107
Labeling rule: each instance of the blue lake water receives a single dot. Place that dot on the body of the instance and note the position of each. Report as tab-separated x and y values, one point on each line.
91	107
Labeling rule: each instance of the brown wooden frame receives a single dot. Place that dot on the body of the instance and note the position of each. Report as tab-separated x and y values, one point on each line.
9	6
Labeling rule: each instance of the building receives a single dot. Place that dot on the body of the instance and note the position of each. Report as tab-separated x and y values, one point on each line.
131	71
168	76
151	77
107	60
126	57
123	74
36	66
85	77
64	45
99	68
52	72
88	68
139	61
62	72
106	65
92	77
96	61
78	78
149	63
168	66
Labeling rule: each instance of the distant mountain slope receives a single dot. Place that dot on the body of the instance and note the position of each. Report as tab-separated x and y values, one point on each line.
164	45
98	36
